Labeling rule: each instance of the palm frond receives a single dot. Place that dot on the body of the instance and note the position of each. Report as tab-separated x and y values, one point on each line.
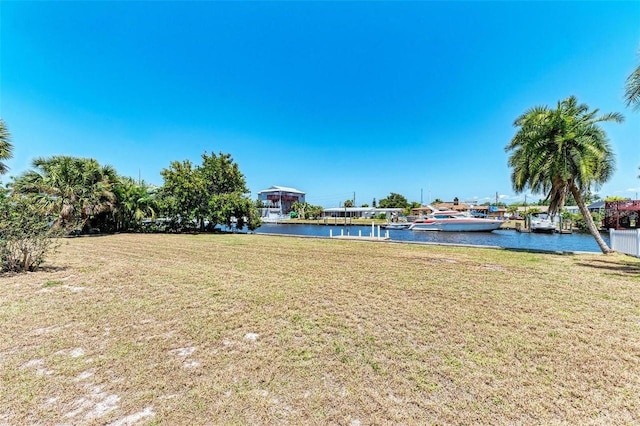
632	89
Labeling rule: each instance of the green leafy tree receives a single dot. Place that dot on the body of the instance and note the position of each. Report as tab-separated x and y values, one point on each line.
560	151
347	203
183	194
222	175
234	209
5	146
306	210
72	189
313	211
394	201
616	198
214	192
299	209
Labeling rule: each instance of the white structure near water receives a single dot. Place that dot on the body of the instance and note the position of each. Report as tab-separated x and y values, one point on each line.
277	201
625	241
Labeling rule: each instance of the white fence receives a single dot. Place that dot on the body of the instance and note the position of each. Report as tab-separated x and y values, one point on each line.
626	241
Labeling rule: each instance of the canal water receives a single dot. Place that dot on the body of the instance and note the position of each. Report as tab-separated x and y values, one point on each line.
499	238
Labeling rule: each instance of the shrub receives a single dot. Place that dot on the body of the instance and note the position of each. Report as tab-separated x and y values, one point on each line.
26	237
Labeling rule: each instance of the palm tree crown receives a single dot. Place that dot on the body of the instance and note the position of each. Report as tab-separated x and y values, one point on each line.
632	89
561	151
5	146
72	188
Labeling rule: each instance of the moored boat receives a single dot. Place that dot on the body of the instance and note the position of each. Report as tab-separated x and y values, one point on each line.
395	225
542	224
454	221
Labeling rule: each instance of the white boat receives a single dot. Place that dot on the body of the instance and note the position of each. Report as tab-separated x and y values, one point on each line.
454	221
542	224
396	225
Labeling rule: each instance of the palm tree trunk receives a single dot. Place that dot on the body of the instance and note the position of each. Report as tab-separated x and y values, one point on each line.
586	214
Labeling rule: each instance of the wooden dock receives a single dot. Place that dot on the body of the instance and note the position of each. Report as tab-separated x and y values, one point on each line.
371	237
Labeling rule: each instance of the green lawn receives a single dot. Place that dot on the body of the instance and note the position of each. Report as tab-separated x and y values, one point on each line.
255	329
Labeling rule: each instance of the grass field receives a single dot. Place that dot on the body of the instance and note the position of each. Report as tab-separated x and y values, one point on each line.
251	329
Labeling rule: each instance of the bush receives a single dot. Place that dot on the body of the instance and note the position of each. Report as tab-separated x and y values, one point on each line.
26	237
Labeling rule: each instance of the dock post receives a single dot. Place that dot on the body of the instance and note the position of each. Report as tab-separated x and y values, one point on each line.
359	233
342	232
386	234
330	233
378	231
373	232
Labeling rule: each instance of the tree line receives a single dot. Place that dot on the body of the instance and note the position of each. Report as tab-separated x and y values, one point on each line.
64	195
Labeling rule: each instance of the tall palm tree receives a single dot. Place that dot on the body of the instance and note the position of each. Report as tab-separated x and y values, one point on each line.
5	146
72	189
632	89
561	151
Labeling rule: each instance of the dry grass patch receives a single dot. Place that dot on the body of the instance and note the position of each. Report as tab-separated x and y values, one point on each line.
139	329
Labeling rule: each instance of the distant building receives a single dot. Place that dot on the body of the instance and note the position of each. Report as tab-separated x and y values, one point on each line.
361	212
277	200
597	207
621	214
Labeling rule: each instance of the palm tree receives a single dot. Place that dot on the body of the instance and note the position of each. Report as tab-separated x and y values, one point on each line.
561	151
5	146
632	89
135	201
72	189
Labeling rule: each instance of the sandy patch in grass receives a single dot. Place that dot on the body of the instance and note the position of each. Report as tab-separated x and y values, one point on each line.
135	418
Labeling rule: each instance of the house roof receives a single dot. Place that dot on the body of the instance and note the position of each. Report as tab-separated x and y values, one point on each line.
276	188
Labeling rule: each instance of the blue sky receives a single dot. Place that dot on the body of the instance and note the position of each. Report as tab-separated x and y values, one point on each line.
332	98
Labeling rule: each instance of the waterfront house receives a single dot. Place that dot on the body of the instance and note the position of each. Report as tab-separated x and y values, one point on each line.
622	214
277	200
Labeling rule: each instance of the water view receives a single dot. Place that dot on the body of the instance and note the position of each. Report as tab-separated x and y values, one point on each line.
499	238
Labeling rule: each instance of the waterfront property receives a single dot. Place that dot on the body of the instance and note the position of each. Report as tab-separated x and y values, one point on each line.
278	201
622	214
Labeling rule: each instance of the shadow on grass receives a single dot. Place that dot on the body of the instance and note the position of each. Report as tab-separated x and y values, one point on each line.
622	268
48	268
51	268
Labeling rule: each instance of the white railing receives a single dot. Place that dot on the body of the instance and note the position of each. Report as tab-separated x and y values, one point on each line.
626	241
